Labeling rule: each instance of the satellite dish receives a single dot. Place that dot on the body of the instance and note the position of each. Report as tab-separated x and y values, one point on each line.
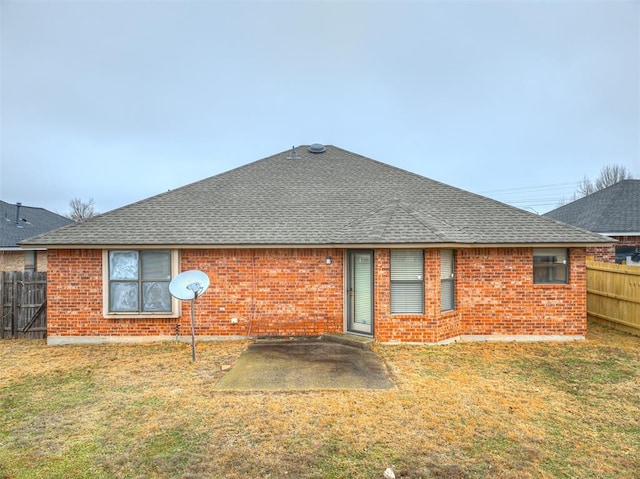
190	285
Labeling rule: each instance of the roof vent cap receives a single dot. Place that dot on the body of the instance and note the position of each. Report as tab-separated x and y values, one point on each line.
317	148
293	155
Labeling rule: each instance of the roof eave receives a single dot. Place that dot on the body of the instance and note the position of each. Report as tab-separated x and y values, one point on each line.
626	233
451	245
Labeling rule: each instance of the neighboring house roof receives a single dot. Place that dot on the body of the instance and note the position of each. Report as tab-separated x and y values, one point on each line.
330	198
614	210
19	222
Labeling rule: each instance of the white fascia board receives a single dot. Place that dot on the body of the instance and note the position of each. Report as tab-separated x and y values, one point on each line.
604	242
622	234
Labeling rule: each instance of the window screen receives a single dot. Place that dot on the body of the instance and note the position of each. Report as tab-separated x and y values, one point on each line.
407	283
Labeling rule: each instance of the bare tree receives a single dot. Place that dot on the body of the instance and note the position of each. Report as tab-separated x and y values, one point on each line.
81	210
610	175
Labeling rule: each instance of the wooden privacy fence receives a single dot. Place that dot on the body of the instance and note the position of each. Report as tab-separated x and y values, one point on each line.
613	295
23	298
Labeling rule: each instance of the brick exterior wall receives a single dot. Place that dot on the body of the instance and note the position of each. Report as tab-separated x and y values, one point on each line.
291	292
607	254
11	260
274	292
271	292
14	260
496	295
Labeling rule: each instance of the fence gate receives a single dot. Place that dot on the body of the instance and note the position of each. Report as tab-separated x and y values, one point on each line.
23	296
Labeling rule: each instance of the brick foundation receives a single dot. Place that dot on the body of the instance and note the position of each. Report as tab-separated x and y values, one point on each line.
291	292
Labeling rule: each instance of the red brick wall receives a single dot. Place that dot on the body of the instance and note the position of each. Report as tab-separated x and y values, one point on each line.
608	253
294	292
270	292
496	294
432	326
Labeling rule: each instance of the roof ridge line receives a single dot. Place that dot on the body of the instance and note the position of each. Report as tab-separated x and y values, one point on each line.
419	217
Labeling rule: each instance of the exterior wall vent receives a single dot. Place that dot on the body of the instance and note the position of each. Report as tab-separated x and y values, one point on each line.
317	148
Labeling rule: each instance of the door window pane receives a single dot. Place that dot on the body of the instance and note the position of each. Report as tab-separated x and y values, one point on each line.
362	287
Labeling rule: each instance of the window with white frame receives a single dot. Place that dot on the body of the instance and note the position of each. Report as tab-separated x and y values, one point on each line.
407	282
447	280
550	265
138	282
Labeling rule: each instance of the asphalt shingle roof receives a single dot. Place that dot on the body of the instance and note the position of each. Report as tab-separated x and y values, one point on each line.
615	209
335	197
30	222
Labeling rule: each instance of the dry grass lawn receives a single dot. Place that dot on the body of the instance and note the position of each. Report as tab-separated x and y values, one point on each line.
469	410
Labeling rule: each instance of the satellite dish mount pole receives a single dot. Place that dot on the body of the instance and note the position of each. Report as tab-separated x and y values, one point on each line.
196	288
189	285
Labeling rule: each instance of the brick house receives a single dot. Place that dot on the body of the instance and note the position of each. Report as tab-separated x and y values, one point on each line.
319	240
614	212
19	222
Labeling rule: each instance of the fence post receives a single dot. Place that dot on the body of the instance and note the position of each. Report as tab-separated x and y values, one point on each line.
15	310
2	304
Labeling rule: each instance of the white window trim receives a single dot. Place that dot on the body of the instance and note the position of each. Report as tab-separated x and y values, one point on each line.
176	310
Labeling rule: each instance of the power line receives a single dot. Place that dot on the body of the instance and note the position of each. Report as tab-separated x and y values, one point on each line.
533	189
546	196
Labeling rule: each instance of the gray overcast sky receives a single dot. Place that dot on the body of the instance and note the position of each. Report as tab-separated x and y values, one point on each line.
121	100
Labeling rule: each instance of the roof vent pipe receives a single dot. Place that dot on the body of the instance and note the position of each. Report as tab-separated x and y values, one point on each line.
18	205
294	155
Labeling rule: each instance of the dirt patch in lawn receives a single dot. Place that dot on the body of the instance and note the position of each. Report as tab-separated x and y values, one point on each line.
305	366
462	410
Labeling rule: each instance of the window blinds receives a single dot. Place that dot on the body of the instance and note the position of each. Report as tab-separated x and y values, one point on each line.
407	285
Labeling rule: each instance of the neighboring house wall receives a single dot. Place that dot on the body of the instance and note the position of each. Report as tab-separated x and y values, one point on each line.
11	260
607	254
289	292
15	260
602	253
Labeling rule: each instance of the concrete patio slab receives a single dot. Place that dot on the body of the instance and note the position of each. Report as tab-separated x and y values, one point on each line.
305	365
